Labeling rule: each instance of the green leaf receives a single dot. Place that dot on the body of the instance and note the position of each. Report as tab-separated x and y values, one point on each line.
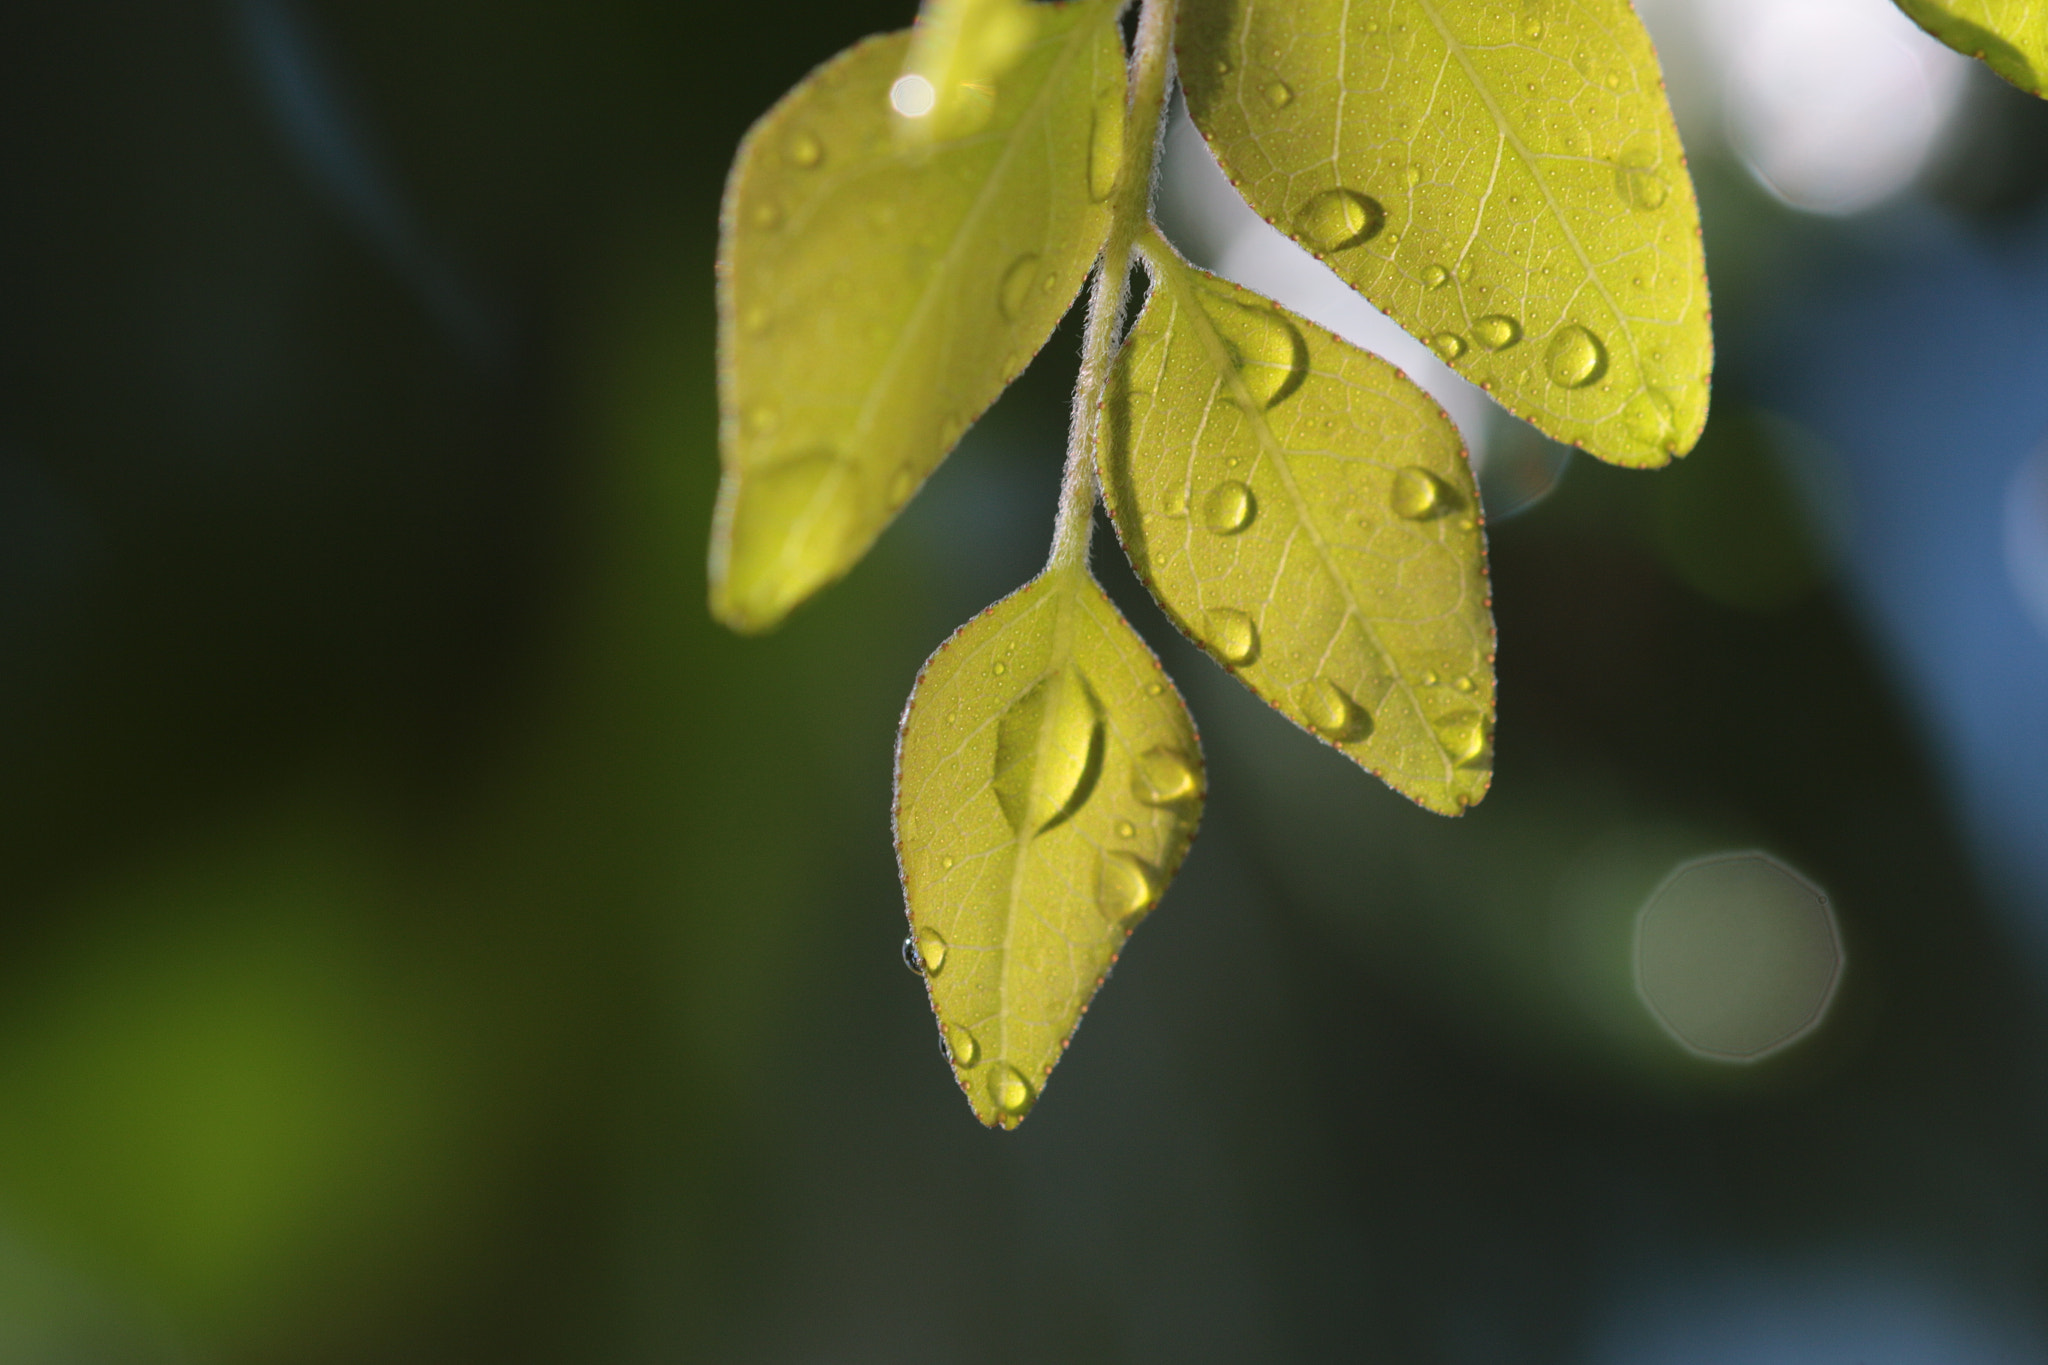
877	292
1501	177
1307	515
2009	36
1048	781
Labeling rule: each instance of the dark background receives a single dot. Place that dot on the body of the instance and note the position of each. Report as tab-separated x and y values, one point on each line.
425	937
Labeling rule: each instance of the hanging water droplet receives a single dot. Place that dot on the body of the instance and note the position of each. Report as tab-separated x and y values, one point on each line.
1269	351
1279	94
1575	358
1412	176
1106	148
1048	752
1339	218
1228	508
805	151
930	950
1126	830
1008	1090
1418	494
1163	776
1649	418
1496	331
1232	634
1449	345
963	1045
910	958
1015	290
1463	735
1125	888
1435	277
1329	710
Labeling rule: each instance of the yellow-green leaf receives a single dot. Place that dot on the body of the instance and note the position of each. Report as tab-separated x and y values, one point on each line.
1502	177
876	294
1307	515
961	50
2009	36
1048	781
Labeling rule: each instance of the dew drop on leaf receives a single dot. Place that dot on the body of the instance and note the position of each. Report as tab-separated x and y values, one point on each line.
1125	888
1418	494
1448	345
1125	829
910	958
1008	1090
1162	777
1463	734
1015	290
1279	94
1648	418
1228	508
1232	634
1435	277
1328	710
1271	355
1496	331
930	949
1575	358
1637	180
805	151
963	1045
1340	218
1048	752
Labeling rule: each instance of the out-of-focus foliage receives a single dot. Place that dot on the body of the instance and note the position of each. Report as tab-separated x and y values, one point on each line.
2009	36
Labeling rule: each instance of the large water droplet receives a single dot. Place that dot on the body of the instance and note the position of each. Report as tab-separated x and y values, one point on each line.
964	1046
1228	508
805	151
1575	358
1340	218
1126	888
1329	710
1496	331
1008	1090
930	949
1448	345
1163	776
1048	752
1279	94
1270	352
1463	735
1232	634
1418	494
1015	290
1649	419
1106	148
1435	277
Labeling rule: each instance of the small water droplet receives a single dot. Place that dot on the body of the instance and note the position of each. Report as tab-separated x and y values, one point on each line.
1000	668
1435	277
1614	80
1533	30
1393	239
1125	888
805	151
1340	218
1496	331
1163	776
1637	180
1048	752
1106	148
964	1046
1649	418
1413	175
1270	352
1466	270
1008	1089
1463	684
1575	358
1329	710
1232	634
1223	67
1228	508
1015	289
1279	94
946	863
1175	503
1153	689
1463	735
765	215
1418	494
1449	345
1429	678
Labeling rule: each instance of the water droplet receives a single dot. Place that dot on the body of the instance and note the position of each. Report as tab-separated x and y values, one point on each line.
946	863
1649	419
910	958
1008	1089
1000	668
1393	239
765	215
1496	331
1463	684
1125	888
1015	290
1463	735
1271	355
1048	752
1231	634
1330	711
964	1046
1435	277
1449	345
1533	30
1418	494
1106	148
1126	830
1279	95
1228	508
1175	503
1413	175
1163	776
1637	180
1340	218
805	151
1614	80
1575	358
1223	67
930	950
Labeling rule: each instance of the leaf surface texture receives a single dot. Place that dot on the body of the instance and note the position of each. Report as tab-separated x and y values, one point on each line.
1308	515
1048	782
1502	177
878	291
2009	36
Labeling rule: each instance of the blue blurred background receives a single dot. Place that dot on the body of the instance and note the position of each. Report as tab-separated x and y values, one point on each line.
425	937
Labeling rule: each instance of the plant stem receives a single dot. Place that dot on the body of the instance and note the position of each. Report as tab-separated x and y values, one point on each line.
1130	212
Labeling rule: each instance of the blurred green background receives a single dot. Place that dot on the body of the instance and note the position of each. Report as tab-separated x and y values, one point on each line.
425	937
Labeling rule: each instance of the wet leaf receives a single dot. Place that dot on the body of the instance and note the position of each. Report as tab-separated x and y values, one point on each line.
1307	514
2009	36
1502	177
1048	781
876	294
